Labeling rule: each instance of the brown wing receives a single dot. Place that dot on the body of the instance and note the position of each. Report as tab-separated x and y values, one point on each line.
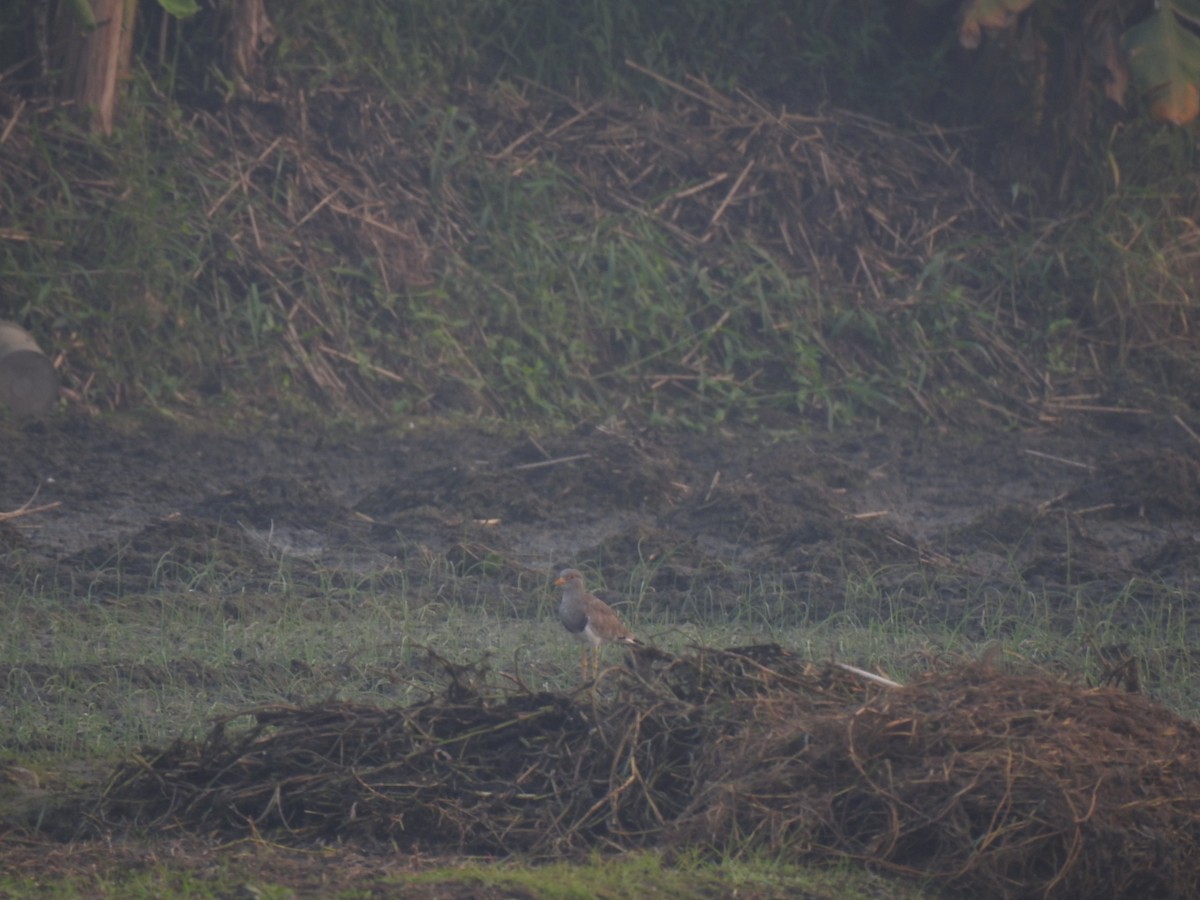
604	623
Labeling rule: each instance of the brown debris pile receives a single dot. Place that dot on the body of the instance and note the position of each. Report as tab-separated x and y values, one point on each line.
850	202
1006	785
533	771
328	216
843	197
301	186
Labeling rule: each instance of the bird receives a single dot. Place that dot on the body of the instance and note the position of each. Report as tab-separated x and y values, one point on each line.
588	619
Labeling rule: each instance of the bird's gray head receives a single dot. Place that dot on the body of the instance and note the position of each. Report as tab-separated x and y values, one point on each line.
569	576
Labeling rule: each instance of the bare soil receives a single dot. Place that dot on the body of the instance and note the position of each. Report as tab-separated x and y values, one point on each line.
1082	510
1088	506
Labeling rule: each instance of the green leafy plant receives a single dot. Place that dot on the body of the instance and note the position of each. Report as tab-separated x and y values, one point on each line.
1164	55
1161	53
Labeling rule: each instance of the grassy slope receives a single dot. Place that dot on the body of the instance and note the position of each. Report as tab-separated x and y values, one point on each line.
392	240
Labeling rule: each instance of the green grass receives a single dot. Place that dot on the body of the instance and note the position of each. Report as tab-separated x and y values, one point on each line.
648	875
604	878
97	679
152	882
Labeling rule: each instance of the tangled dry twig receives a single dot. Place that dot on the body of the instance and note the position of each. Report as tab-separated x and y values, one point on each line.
1005	785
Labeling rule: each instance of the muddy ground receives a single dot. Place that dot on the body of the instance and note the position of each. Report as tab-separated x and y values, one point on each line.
1093	506
1080	510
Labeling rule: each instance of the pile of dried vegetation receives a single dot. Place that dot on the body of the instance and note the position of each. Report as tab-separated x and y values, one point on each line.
355	245
512	250
1002	784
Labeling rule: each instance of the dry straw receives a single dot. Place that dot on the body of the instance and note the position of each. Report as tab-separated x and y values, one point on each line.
1005	785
